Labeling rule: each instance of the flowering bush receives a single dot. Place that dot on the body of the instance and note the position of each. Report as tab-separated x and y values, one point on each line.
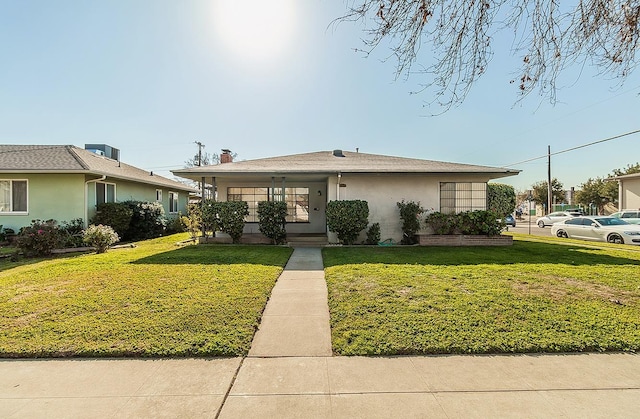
100	237
39	239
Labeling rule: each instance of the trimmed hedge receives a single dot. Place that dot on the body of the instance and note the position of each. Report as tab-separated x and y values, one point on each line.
347	219
272	219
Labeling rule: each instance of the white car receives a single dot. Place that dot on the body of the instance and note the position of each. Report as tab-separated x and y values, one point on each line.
630	216
603	229
556	217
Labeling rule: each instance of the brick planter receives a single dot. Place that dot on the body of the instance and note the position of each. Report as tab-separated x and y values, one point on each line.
463	240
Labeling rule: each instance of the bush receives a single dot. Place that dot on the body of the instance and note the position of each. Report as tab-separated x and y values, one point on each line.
347	219
469	223
147	222
71	233
175	225
373	234
39	239
409	213
271	219
227	217
480	222
442	223
192	222
501	199
117	215
100	237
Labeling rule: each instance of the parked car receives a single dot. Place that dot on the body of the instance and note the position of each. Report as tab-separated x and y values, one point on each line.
556	217
630	216
510	221
604	229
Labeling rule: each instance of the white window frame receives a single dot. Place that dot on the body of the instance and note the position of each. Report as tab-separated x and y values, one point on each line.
174	201
158	195
106	192
11	211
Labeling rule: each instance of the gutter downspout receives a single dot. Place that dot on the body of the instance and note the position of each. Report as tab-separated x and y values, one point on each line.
86	198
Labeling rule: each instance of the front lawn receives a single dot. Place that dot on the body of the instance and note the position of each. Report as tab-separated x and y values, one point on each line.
546	295
154	300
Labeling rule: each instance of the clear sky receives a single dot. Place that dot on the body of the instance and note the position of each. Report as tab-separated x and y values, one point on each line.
150	77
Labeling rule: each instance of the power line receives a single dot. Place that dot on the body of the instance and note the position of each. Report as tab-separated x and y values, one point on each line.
574	148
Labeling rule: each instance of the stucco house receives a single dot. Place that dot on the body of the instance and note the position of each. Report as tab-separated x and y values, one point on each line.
65	182
307	182
628	191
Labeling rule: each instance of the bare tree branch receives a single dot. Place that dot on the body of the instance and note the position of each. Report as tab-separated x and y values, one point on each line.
547	36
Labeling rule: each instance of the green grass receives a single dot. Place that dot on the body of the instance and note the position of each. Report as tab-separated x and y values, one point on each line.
544	295
154	300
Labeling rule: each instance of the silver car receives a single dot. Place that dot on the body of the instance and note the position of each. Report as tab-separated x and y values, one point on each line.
604	229
556	217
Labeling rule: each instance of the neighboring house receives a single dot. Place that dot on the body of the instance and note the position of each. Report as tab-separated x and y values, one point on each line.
64	182
308	181
628	191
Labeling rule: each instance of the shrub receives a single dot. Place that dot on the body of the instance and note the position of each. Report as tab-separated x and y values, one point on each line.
192	222
39	239
469	223
409	213
373	234
501	199
175	225
442	223
71	233
147	221
347	219
115	214
226	216
271	219
480	222
100	237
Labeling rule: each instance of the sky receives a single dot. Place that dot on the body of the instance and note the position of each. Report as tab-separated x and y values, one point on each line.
151	77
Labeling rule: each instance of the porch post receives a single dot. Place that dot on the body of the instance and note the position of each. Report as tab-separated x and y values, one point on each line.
282	192
213	192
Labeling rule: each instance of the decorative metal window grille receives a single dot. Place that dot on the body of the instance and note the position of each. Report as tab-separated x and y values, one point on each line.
297	200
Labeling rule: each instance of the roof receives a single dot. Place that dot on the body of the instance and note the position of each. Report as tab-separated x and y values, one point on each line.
625	177
325	162
72	159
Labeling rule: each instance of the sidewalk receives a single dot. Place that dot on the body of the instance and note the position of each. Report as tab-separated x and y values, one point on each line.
291	373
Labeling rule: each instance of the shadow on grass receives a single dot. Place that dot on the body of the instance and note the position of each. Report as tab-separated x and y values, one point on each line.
221	255
520	252
9	263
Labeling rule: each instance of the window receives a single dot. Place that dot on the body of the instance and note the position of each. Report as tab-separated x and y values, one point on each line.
297	200
105	192
159	195
462	196
13	196
173	202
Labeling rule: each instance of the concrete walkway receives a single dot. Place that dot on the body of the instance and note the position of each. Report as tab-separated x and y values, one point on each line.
291	373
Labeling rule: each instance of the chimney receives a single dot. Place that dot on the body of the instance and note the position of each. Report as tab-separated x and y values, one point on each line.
226	157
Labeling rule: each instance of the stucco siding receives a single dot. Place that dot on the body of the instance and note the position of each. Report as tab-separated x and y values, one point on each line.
59	197
630	191
383	192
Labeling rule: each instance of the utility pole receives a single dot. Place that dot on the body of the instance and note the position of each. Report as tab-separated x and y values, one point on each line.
549	191
200	146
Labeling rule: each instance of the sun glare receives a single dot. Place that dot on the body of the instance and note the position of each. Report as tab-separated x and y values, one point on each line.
255	29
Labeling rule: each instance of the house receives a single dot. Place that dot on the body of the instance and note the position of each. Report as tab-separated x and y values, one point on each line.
64	182
628	191
307	182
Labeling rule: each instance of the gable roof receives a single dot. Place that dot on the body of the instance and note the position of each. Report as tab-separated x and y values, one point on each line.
325	162
72	159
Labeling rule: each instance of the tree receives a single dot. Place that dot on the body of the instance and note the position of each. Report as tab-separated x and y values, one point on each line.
206	160
459	34
501	198
541	191
598	192
630	169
